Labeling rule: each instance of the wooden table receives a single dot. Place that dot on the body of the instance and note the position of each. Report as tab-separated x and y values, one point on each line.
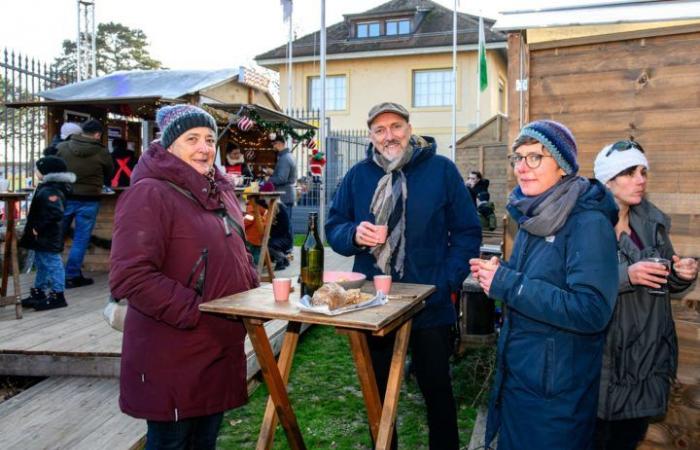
271	199
9	258
256	306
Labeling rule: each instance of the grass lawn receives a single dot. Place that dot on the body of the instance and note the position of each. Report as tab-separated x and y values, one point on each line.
325	393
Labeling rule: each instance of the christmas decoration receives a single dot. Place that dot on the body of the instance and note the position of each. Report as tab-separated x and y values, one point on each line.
316	163
311	144
245	123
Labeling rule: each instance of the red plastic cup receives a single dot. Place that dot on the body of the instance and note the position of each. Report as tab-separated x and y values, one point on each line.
382	231
382	283
281	288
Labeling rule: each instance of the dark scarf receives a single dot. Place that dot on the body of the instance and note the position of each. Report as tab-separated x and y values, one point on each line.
544	214
389	207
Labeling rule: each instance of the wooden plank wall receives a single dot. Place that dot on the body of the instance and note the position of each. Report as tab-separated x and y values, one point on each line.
647	87
486	152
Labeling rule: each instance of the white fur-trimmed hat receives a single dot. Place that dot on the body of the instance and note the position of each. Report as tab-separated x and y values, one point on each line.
611	162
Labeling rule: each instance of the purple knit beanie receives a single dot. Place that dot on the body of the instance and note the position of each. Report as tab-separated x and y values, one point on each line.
176	119
557	139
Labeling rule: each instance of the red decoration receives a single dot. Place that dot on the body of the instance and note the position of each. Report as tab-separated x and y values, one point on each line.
316	163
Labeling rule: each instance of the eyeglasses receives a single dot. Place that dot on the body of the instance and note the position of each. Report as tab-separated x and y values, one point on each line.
532	160
622	146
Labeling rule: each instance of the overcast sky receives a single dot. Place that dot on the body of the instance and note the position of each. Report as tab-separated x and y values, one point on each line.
201	34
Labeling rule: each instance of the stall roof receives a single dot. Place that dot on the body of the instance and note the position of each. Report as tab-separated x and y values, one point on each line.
265	114
142	84
605	12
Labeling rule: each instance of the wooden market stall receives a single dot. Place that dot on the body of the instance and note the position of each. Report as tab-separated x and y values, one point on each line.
126	103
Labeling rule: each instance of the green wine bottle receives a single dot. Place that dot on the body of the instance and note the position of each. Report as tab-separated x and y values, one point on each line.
311	259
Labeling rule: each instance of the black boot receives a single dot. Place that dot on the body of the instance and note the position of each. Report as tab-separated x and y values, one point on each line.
53	301
78	281
36	295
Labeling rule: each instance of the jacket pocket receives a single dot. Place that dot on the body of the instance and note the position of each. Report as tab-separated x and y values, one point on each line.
198	274
548	369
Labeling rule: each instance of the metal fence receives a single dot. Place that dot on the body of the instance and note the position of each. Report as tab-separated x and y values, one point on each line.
22	131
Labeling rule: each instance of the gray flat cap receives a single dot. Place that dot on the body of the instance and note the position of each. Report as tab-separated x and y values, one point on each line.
386	107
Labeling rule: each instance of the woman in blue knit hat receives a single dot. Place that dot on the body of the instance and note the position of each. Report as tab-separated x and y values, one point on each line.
559	288
178	242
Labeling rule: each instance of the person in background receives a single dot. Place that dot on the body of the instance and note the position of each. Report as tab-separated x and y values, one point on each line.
43	234
560	286
67	130
486	208
123	161
85	156
284	176
178	242
641	349
432	232
235	162
476	184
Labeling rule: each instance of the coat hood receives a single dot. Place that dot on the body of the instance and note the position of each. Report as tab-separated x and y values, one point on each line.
598	197
423	147
82	146
59	180
159	163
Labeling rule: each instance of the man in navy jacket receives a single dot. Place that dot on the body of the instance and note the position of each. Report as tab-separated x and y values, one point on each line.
433	230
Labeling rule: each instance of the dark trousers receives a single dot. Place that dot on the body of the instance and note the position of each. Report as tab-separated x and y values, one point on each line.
430	358
620	434
195	433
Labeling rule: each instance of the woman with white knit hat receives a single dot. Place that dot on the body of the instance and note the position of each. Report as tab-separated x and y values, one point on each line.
641	350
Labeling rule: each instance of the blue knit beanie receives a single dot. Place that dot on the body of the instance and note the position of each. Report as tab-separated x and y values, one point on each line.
176	119
557	139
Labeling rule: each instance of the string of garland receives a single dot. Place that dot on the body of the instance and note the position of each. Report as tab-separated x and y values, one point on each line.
279	127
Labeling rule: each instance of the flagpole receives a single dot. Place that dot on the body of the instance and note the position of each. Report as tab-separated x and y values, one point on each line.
322	122
478	75
453	147
290	95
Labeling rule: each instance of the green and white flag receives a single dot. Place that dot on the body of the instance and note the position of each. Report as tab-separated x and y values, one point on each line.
483	72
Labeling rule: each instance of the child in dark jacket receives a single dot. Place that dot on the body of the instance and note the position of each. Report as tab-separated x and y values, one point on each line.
43	233
486	209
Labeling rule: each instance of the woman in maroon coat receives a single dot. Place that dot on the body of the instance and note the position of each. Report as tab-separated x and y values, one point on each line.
177	243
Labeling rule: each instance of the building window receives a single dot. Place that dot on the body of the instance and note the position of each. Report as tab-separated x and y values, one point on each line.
501	96
432	88
335	93
394	27
367	29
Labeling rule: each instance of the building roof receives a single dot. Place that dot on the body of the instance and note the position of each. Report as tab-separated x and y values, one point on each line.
170	84
608	12
433	29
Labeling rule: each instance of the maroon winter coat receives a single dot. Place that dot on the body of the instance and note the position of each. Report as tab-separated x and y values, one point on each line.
177	362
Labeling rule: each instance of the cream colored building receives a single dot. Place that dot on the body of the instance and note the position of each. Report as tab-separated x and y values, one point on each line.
400	51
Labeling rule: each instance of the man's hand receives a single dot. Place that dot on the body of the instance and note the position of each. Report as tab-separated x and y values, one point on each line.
646	273
366	234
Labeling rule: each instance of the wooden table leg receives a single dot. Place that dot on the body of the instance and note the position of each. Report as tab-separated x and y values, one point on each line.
10	260
393	387
274	382
368	383
264	250
284	363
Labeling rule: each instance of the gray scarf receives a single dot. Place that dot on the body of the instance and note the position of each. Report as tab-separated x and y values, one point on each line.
545	214
389	208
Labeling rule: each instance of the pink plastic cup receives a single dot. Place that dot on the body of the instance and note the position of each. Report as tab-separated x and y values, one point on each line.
281	288
382	231
382	283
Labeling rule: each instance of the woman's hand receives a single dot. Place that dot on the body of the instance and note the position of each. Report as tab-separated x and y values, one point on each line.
685	268
483	271
647	273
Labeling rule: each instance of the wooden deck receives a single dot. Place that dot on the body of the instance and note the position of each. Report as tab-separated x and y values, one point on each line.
77	406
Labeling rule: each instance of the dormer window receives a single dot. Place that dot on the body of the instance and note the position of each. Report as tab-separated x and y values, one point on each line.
367	29
394	27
